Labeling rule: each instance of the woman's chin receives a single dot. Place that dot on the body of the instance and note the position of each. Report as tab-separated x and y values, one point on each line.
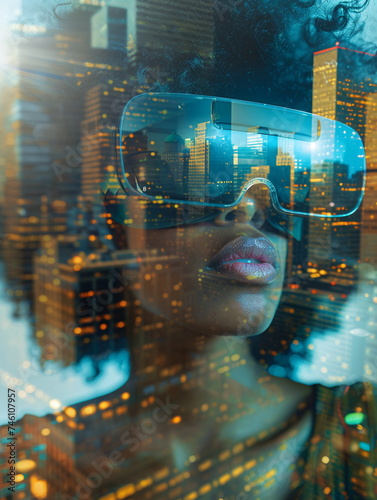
240	318
244	328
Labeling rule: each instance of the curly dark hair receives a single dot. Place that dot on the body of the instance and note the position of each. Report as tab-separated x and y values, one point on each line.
263	47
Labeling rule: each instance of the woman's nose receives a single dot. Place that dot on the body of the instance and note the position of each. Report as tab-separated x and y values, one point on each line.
245	212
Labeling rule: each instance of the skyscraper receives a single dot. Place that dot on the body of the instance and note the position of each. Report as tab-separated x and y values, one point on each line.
99	126
109	28
340	88
80	296
155	28
341	84
198	161
41	131
368	243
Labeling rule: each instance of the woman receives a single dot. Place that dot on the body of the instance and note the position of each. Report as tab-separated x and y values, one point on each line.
213	278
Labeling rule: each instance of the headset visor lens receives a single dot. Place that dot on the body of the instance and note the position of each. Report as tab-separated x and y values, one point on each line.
208	151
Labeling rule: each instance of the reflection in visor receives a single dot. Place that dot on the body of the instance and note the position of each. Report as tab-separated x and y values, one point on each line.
209	151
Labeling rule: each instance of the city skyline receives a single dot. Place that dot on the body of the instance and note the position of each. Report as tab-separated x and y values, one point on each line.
76	280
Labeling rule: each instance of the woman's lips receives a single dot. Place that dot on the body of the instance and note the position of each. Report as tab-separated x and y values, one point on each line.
248	260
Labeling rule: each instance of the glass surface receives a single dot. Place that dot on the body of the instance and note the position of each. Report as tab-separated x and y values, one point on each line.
209	151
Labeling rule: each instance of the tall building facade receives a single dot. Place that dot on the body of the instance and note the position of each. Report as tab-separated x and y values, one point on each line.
155	28
109	28
82	300
340	89
99	126
45	92
341	85
368	243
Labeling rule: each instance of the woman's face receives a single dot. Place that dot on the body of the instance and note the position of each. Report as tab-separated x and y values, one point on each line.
219	277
